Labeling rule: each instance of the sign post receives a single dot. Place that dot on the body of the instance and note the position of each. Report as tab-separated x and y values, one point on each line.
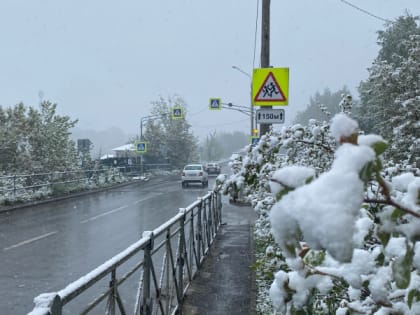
270	87
141	148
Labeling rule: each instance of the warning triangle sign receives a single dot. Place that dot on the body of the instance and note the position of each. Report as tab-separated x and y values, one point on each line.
270	91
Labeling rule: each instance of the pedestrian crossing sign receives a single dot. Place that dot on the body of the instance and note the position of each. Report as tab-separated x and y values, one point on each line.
215	104
255	140
141	147
270	86
177	113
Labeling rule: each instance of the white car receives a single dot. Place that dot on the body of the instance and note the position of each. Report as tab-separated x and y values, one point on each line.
194	173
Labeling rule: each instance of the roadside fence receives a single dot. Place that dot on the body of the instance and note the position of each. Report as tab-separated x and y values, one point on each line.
36	186
149	277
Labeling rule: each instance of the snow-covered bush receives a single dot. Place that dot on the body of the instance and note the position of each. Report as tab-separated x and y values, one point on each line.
252	176
26	188
337	232
389	97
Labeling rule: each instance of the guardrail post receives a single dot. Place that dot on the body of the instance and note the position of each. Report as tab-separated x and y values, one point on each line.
180	259
146	307
200	244
14	185
219	207
215	209
113	293
209	219
168	268
56	306
212	218
208	222
47	304
191	247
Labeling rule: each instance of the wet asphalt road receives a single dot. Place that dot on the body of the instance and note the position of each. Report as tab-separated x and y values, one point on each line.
45	247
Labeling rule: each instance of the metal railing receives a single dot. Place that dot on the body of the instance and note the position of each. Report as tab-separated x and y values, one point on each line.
16	185
21	182
156	270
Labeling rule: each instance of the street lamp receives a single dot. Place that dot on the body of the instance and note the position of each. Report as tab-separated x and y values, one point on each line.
251	107
242	71
147	118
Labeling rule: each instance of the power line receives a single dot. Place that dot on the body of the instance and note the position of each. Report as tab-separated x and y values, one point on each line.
199	112
219	124
366	12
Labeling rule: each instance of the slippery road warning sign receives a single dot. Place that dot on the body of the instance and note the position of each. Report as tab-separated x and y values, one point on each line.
270	86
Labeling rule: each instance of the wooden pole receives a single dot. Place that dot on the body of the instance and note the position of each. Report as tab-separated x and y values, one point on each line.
265	49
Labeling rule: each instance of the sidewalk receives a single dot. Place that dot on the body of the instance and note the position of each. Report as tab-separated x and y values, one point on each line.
226	282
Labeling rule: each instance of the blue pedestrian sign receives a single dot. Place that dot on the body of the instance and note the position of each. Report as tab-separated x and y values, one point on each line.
177	112
215	103
254	140
141	147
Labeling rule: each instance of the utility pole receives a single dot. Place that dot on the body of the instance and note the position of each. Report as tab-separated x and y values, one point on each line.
265	49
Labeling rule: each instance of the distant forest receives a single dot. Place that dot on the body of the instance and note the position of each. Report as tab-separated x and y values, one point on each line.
217	146
322	106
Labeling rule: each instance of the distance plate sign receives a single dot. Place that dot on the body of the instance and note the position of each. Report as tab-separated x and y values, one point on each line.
270	116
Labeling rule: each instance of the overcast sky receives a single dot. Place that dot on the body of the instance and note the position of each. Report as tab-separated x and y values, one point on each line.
105	61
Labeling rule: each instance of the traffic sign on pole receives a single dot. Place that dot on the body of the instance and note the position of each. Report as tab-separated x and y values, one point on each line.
215	103
270	116
255	140
177	113
141	147
270	86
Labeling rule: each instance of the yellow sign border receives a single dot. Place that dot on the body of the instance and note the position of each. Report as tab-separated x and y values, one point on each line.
136	146
281	75
220	103
173	117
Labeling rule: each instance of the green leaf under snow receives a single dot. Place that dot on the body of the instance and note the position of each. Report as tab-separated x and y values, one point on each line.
379	147
383	237
290	245
367	171
397	213
283	192
309	179
380	259
413	296
401	270
314	258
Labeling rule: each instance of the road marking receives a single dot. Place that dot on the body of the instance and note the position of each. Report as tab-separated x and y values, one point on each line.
114	210
104	214
31	240
144	199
